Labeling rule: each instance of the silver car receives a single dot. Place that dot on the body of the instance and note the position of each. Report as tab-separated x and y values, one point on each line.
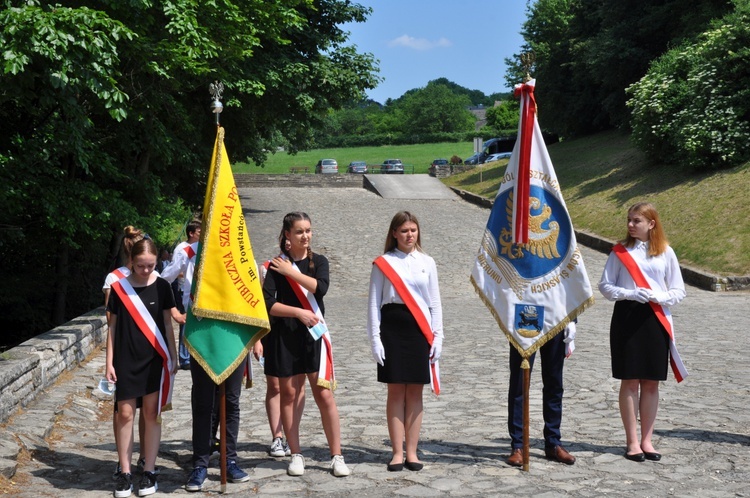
394	166
327	166
497	157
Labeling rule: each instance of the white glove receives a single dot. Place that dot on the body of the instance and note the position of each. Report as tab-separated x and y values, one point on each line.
640	294
378	351
659	297
436	349
569	339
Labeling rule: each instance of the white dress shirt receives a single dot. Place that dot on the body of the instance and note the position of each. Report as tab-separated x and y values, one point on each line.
662	273
420	269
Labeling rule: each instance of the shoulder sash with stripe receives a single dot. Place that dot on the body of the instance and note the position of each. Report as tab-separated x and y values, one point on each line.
417	311
121	272
678	368
146	324
326	377
189	251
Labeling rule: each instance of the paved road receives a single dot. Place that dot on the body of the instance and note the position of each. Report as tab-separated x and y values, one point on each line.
703	426
422	187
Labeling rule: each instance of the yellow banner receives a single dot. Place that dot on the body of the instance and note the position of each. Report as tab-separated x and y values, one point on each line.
227	284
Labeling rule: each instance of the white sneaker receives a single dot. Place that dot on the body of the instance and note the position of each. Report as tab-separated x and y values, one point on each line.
287	450
338	467
296	465
277	448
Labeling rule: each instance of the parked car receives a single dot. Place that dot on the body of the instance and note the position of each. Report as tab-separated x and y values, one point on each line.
436	164
327	166
357	167
394	166
473	159
497	157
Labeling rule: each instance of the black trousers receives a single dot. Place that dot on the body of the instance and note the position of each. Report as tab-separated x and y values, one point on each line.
204	399
553	357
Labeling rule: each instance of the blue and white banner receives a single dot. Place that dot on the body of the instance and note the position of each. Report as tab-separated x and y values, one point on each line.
533	289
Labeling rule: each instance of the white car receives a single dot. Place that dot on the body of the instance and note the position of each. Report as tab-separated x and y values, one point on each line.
327	166
497	157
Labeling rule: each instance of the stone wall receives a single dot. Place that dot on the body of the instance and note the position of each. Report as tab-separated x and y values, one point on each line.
344	180
31	367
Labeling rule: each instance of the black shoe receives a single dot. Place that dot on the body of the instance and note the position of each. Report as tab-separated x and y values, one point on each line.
415	466
650	455
395	467
148	485
638	457
124	486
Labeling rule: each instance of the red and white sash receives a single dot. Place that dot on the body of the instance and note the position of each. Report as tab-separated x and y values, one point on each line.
326	377
420	313
247	367
191	251
146	324
121	272
678	368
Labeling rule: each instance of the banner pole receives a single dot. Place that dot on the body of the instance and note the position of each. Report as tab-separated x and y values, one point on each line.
223	434
526	387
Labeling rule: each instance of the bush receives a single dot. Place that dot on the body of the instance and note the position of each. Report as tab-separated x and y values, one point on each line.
693	105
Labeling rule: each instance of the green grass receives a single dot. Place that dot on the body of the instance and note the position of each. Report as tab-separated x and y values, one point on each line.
417	157
704	214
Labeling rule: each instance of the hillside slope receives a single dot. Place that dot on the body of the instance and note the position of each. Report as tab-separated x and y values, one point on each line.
704	214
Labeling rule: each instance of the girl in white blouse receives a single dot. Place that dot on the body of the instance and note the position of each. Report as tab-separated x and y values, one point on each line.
405	326
643	276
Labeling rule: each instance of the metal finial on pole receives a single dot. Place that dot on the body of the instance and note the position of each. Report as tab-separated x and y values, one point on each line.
527	61
216	89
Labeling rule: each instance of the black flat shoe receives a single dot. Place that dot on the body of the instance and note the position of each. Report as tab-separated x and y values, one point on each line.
415	466
638	457
395	467
650	455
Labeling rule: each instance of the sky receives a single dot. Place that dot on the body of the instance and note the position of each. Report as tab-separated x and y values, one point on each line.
417	41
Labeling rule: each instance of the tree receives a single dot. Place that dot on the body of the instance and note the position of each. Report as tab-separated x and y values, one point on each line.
503	117
435	109
692	107
632	33
587	53
550	33
104	122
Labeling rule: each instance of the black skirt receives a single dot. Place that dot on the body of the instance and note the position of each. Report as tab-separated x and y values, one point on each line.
638	342
407	353
290	351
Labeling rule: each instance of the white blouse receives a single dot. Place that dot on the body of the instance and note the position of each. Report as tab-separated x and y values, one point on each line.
662	273
421	269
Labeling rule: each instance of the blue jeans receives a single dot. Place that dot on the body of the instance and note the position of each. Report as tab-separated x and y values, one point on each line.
184	354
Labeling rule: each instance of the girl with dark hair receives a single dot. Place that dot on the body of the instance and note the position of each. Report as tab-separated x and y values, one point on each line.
643	276
298	345
405	326
141	361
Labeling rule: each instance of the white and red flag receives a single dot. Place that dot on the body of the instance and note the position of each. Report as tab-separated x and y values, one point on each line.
529	270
